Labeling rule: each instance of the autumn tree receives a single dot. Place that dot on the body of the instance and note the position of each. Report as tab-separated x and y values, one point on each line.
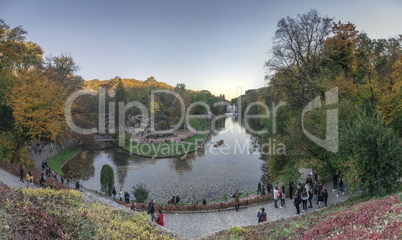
296	55
38	107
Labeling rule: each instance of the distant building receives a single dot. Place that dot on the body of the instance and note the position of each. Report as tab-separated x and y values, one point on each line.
231	109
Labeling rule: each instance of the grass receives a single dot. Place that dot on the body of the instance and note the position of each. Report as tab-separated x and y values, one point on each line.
57	160
199	124
198	138
160	149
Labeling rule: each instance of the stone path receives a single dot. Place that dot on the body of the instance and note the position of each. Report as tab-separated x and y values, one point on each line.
197	225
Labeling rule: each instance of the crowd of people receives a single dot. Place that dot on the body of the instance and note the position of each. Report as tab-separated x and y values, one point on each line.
302	195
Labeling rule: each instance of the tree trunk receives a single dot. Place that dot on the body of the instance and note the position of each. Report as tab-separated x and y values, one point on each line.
17	152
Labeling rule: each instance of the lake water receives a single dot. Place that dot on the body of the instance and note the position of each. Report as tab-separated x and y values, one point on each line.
210	172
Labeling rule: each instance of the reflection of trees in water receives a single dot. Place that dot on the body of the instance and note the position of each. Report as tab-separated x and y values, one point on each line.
254	147
121	174
81	167
218	125
182	164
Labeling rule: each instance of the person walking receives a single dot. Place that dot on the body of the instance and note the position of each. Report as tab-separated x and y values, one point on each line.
325	196
262	190
22	173
77	185
283	197
276	197
121	195
296	202
310	196
335	181
29	179
291	186
304	198
259	188
126	197
309	180
321	199
159	218
114	193
262	215
42	180
237	200
340	186
151	210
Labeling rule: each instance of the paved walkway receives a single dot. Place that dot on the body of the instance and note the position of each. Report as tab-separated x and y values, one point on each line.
197	225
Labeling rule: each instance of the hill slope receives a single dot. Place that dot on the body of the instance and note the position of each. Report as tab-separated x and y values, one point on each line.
379	218
65	214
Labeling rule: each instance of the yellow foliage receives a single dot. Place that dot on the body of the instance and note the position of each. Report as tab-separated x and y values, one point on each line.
38	106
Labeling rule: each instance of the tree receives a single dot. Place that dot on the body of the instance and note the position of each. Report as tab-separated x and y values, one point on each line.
38	109
370	156
107	179
296	53
61	69
140	192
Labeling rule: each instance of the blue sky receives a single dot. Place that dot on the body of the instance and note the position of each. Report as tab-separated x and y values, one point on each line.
213	45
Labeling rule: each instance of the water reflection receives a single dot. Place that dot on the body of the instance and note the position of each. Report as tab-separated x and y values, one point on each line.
209	172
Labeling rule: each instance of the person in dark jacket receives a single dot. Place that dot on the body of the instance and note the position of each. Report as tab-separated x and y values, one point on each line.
325	195
114	192
259	188
309	180
335	181
291	186
320	199
22	174
151	210
310	197
77	185
126	197
340	186
262	215
296	202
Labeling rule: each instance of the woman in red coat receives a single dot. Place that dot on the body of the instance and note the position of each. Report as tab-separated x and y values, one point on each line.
159	218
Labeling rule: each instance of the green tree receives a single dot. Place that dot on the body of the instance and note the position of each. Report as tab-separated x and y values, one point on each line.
107	179
370	156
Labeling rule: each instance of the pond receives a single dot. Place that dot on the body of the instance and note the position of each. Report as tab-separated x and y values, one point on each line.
210	172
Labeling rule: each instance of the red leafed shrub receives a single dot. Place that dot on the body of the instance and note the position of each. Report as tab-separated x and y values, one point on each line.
33	223
368	220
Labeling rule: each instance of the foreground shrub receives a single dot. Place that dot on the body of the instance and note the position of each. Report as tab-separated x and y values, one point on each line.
49	214
140	192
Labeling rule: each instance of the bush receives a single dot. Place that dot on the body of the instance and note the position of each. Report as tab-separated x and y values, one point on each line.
140	192
237	231
107	179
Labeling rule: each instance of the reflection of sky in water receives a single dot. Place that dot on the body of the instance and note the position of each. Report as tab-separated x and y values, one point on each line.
208	173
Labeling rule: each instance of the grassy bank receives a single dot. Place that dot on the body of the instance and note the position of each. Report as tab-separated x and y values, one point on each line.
56	161
199	124
65	214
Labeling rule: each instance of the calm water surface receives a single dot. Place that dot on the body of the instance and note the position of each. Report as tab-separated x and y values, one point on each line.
209	172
